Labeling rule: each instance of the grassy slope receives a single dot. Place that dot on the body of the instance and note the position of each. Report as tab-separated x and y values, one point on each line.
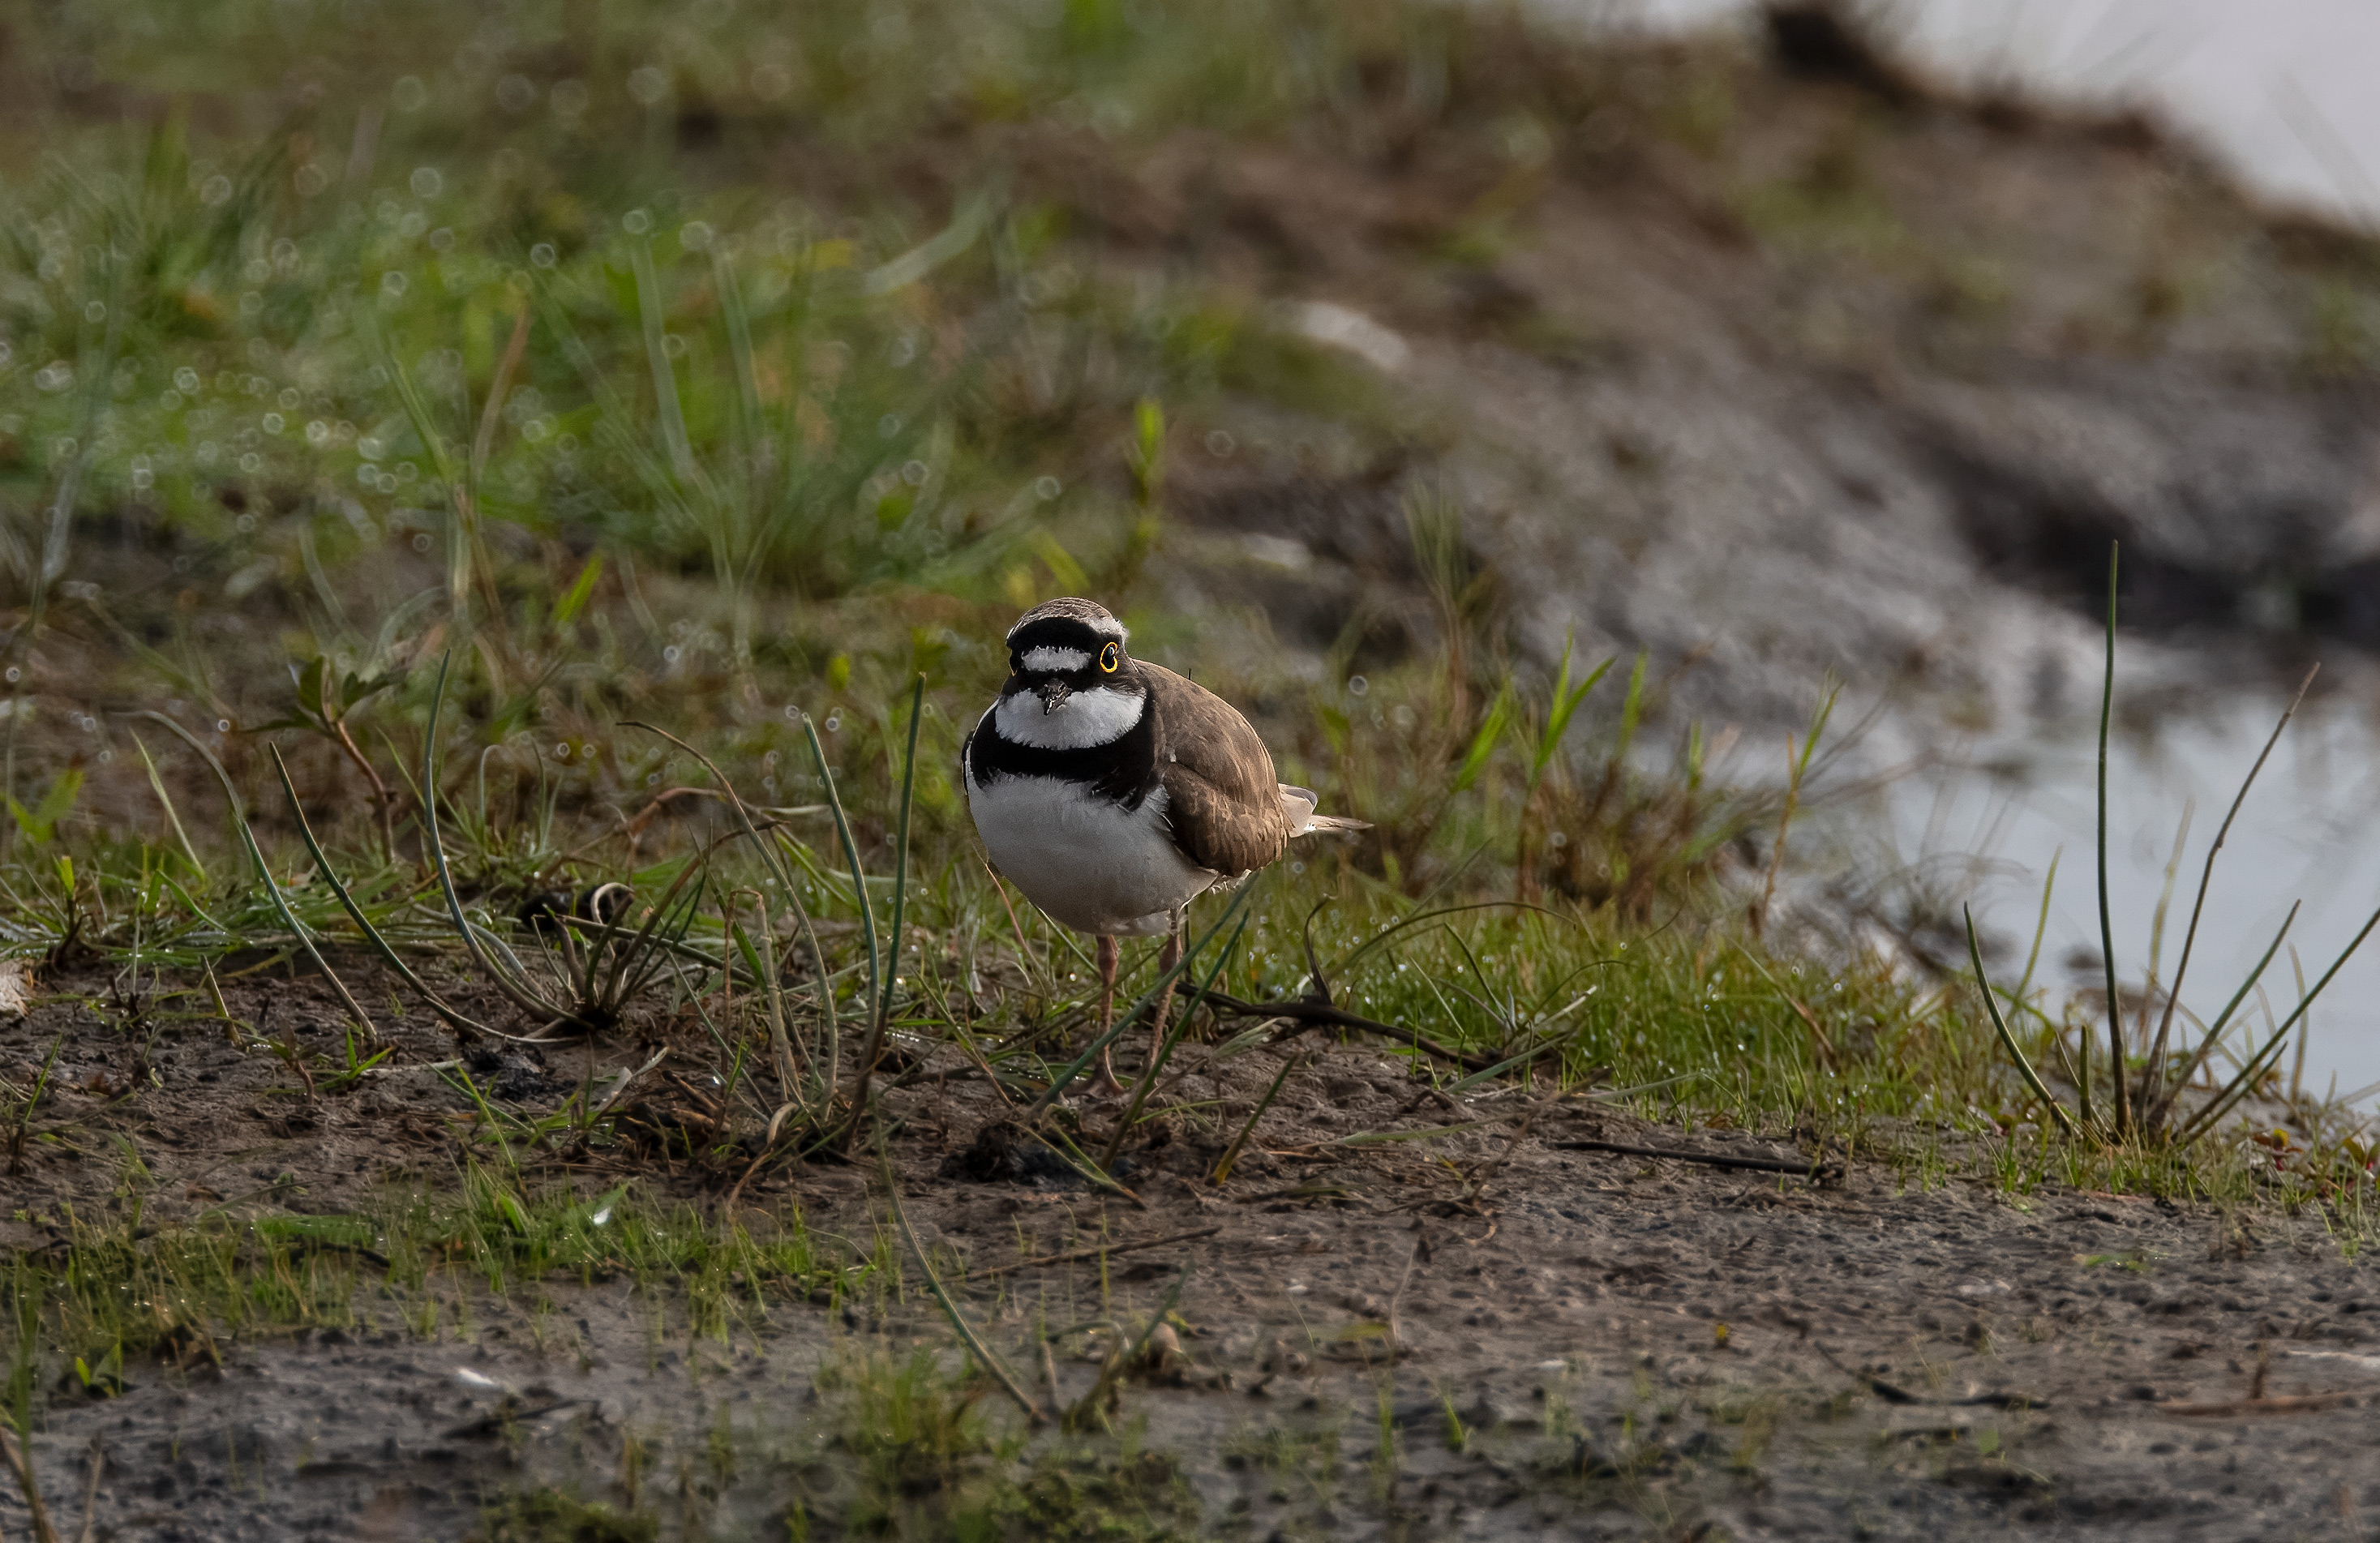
830	357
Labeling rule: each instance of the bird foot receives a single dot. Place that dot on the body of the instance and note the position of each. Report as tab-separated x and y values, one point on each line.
1105	1085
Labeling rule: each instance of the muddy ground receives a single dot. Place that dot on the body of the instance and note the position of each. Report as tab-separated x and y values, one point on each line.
1481	1335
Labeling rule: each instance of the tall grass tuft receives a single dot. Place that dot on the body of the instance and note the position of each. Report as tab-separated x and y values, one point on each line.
2146	1103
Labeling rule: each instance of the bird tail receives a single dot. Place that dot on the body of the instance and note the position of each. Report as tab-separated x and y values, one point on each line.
1298	804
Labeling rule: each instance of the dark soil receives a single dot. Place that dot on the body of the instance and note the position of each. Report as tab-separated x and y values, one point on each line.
1631	1346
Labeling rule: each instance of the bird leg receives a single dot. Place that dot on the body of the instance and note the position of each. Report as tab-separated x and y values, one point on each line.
1167	957
1106	1086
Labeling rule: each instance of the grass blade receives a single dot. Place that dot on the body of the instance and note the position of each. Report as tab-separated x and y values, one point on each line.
666	398
1631	709
2268	1053
1347	961
438	1004
17	1421
520	995
2214	1031
462	540
983	1355
826	989
784	877
2107	922
1510	1062
632	964
891	968
900	847
1483	742
2007	1041
781	1044
1797	769
851	855
1222	1173
491	413
2162	1103
272	890
1562	705
173	816
2040	929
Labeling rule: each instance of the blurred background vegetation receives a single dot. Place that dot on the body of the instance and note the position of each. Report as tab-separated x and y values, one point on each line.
711	362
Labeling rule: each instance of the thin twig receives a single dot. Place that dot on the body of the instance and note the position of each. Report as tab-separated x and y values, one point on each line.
1894	1394
1317	1014
1814	1169
2283	1404
380	794
1076	1256
90	1489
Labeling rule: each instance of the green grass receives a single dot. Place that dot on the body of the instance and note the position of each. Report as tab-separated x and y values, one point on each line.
790	389
898	1446
1698	1025
122	1288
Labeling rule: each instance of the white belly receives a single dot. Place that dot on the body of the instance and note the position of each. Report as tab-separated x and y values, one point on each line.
1090	864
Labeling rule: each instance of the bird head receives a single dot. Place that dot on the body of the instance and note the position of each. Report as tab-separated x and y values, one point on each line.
1063	647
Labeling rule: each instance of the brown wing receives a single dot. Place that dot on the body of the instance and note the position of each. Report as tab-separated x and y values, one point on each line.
1221	796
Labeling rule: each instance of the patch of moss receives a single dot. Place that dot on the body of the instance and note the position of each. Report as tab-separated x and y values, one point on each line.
1068	1496
551	1517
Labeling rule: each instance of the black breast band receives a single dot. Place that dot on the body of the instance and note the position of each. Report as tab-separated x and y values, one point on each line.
1123	770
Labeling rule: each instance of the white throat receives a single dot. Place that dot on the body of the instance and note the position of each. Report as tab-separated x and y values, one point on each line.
1099	716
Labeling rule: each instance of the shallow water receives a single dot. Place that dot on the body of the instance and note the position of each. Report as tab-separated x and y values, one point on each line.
1997	811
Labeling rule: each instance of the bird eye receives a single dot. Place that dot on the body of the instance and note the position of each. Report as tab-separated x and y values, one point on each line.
1108	659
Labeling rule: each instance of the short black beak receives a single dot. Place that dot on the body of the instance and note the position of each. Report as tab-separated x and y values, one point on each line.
1053	694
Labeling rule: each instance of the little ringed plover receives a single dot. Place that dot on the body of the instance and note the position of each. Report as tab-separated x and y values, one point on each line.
1113	792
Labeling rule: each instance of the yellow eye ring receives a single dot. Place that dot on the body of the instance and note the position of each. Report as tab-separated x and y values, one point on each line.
1108	659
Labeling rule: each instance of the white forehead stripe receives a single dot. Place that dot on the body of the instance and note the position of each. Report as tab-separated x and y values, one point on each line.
1105	626
1057	661
1099	716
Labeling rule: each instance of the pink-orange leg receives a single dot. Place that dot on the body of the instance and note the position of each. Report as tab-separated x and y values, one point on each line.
1167	957
1106	1086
